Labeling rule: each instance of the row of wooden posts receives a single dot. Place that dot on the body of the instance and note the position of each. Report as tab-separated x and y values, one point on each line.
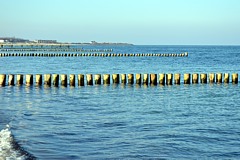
97	79
53	50
92	54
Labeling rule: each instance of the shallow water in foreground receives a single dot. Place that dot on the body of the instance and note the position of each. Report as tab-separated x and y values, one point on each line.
124	121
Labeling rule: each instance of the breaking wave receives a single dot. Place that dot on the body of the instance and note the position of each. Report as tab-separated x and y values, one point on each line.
10	149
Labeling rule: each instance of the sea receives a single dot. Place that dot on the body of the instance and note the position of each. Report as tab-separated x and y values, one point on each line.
123	121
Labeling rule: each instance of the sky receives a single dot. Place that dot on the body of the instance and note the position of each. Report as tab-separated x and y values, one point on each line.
149	22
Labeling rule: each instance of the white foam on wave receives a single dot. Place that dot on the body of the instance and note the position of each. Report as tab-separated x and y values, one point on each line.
7	151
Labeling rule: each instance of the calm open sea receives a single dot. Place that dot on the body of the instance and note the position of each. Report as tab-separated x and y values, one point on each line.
200	121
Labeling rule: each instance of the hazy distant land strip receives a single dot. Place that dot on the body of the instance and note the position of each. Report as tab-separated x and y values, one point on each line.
20	41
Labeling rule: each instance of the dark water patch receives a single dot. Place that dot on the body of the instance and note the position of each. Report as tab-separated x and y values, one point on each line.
16	146
111	125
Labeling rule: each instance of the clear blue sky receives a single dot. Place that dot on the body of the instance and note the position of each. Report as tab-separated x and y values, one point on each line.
133	21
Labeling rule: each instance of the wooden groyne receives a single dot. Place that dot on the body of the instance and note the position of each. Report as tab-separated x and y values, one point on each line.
53	50
98	79
185	54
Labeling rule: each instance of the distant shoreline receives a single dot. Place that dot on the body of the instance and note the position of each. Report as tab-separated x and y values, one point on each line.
66	44
108	44
20	41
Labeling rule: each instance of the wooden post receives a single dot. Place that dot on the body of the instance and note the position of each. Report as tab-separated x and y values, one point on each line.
153	79
29	79
187	78
19	79
145	79
38	79
211	78
130	79
169	78
115	78
123	78
177	78
162	79
203	77
89	79
219	77
2	79
106	79
226	77
234	78
55	80
97	78
47	79
195	78
80	79
63	80
11	79
138	78
72	80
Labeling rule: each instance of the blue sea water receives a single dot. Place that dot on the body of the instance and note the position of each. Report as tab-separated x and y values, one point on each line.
197	121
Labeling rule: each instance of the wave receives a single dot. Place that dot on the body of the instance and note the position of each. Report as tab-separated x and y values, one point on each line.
10	149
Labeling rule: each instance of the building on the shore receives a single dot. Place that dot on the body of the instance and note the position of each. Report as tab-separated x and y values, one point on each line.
46	41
